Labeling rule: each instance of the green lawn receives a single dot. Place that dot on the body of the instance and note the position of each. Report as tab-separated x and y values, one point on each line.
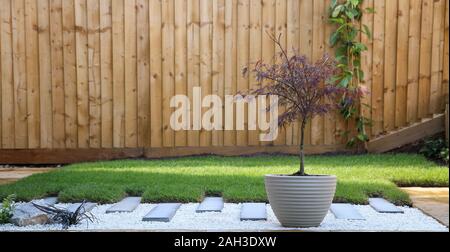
237	179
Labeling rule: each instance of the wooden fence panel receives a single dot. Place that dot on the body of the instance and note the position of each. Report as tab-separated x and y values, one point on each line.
101	73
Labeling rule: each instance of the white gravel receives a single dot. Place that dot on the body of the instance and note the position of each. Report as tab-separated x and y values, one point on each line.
187	220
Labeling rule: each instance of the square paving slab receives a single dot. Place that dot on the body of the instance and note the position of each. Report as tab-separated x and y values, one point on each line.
162	212
211	204
253	212
88	206
346	212
383	206
50	201
127	205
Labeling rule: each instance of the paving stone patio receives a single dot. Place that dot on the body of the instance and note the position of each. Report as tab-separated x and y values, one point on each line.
432	201
12	174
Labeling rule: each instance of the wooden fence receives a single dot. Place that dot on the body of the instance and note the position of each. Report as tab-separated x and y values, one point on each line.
99	74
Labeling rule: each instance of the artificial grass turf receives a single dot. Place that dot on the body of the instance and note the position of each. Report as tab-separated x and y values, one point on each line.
238	179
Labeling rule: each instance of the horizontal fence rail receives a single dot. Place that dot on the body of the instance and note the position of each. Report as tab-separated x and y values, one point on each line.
99	74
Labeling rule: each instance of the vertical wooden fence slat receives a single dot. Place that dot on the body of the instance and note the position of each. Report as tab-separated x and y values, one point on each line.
205	61
130	74
390	65
7	76
230	71
378	67
366	63
193	67
45	74
106	73
118	57
32	72
242	59
330	118
268	46
318	49
436	57
254	56
168	69
19	74
280	30
415	13
402	63
82	73
443	98
156	72
180	60
305	48
425	58
143	72
445	84
57	60
70	74
93	25
218	57
292	38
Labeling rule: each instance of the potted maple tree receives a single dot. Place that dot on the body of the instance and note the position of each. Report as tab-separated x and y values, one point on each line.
306	90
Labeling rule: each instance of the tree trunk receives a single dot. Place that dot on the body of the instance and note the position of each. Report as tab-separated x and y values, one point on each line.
302	150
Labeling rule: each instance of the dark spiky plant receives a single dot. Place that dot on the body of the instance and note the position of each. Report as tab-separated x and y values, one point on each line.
301	86
65	217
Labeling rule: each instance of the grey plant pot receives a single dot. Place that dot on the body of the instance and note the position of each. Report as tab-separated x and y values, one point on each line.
300	201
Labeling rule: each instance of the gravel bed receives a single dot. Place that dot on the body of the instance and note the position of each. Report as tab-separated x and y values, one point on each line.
187	220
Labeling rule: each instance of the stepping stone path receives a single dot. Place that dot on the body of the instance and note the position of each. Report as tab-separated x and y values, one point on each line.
162	212
88	206
383	206
127	205
211	204
346	212
253	212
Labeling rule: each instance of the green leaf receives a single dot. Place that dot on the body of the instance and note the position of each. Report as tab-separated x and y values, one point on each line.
355	3
367	32
363	137
337	20
370	10
337	11
333	4
345	81
334	39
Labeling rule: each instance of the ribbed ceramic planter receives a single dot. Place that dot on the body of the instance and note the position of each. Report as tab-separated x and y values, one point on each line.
300	201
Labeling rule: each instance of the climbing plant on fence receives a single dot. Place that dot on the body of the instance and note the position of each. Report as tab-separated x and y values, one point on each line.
346	16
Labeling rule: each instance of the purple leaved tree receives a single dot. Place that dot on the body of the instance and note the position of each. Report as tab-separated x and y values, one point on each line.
301	86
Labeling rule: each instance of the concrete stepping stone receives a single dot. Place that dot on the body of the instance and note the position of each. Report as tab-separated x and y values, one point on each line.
162	212
88	206
383	206
346	212
253	212
211	204
127	205
50	201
